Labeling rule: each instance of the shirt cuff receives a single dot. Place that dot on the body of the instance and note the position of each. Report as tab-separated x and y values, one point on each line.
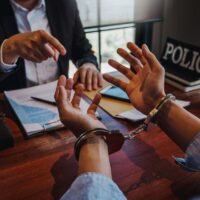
88	59
191	162
3	66
93	186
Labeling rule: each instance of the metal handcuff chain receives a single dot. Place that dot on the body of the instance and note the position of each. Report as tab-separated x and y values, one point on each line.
114	138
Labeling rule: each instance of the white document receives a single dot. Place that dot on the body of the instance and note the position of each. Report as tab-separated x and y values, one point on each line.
36	116
135	115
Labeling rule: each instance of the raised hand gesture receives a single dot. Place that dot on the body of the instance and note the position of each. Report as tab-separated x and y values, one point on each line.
146	84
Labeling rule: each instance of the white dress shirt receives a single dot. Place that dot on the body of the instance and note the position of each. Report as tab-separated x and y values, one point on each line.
28	21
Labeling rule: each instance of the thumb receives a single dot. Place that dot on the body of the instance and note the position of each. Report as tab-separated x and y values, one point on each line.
76	77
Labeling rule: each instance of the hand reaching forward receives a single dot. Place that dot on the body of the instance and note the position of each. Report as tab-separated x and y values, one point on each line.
146	86
35	46
70	113
89	76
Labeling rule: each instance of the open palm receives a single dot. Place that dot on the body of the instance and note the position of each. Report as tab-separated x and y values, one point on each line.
146	83
69	110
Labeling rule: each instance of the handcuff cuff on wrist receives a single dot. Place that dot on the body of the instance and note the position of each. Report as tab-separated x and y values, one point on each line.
114	139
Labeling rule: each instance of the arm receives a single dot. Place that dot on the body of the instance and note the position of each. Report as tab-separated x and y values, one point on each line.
146	88
180	125
94	180
94	154
34	46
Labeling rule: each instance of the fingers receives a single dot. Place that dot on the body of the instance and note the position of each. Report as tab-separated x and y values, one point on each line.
82	76
38	46
95	79
88	81
100	80
53	41
32	56
62	93
94	105
28	54
68	87
48	50
115	81
77	96
150	57
61	99
136	65
89	77
137	52
124	70
76	77
61	82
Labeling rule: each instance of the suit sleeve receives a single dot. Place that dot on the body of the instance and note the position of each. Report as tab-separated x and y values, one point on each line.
81	48
4	69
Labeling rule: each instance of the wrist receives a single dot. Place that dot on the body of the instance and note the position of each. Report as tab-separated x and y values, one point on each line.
9	53
154	101
94	156
114	140
84	126
88	138
96	140
153	116
164	112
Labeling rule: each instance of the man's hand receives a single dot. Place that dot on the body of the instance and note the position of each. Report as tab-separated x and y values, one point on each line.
146	86
70	113
35	46
89	76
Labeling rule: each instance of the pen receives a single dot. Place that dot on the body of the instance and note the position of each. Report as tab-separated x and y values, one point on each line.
54	103
44	100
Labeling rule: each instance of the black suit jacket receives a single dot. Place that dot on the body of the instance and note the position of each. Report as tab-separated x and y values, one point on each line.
65	25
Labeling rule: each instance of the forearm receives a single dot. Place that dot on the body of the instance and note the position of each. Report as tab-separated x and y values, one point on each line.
180	125
94	157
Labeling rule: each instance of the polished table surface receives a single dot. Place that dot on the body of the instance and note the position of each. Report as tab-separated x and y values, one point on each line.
44	167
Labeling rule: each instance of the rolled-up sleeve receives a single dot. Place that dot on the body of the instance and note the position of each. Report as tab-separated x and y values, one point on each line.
91	186
191	162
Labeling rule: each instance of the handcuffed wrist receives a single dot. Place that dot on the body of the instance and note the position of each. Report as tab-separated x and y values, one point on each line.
114	140
154	102
152	116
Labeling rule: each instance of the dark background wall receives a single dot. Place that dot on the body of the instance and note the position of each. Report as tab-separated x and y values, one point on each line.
182	21
146	9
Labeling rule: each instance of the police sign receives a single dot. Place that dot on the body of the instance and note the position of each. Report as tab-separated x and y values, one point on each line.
181	59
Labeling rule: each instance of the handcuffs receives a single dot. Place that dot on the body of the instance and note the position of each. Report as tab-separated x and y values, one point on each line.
113	138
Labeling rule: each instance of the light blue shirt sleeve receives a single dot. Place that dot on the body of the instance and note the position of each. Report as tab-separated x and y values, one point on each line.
191	162
93	186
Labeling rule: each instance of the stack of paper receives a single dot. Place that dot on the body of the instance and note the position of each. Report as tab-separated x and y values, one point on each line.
36	116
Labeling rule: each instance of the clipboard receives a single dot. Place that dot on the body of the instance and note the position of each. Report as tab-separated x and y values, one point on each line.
118	106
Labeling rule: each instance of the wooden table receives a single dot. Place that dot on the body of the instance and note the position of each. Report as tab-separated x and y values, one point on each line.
44	167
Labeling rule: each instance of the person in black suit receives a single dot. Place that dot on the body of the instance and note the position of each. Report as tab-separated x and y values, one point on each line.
34	33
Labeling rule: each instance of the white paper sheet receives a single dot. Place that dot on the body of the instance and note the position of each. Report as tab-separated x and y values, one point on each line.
135	115
36	116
